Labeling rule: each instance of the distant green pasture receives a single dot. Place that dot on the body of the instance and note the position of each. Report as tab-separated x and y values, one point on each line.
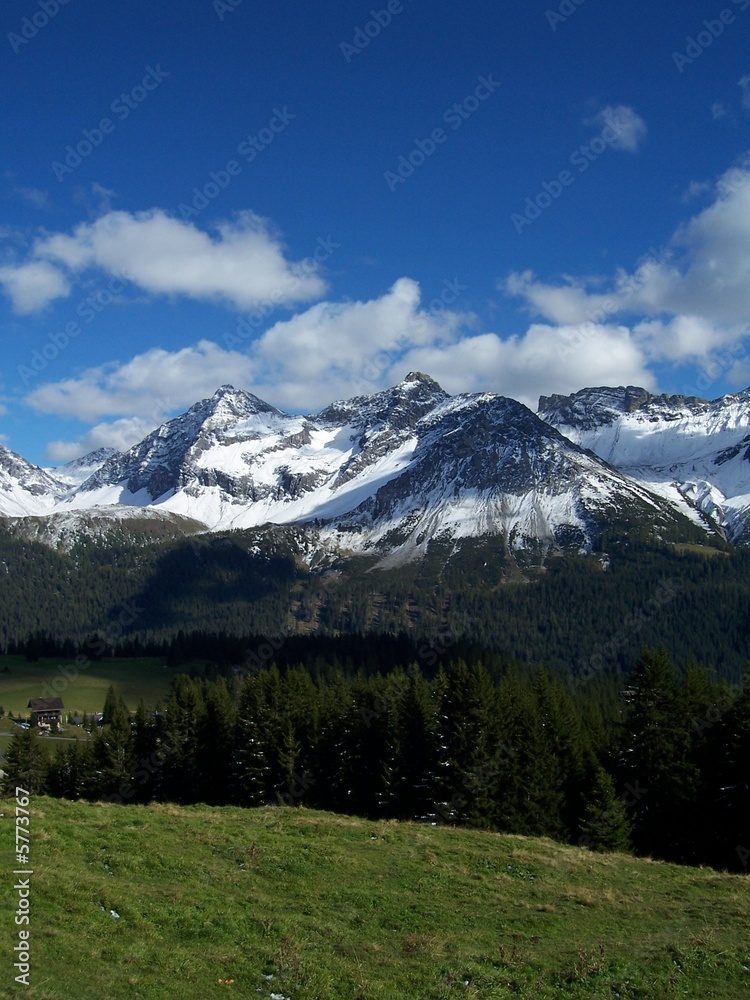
146	678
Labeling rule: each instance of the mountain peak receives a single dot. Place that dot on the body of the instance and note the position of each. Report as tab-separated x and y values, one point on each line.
419	378
619	399
230	403
594	407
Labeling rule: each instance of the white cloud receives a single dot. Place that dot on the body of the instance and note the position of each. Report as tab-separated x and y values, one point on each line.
242	265
629	128
332	350
33	286
121	434
710	276
148	387
697	189
718	110
687	299
39	199
338	349
543	360
682	339
569	303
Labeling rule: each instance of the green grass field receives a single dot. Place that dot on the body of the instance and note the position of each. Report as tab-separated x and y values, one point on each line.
312	906
145	678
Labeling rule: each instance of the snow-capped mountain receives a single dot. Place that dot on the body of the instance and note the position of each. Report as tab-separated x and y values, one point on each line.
693	452
25	488
234	461
387	473
80	469
391	472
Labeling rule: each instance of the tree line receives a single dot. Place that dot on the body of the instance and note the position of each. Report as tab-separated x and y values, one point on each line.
135	593
660	769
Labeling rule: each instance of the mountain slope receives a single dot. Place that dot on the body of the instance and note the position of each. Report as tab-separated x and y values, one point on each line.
25	488
80	469
387	473
693	452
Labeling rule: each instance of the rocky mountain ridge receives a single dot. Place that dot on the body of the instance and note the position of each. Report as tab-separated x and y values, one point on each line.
392	472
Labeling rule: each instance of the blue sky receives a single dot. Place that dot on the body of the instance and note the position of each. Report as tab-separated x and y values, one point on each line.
308	201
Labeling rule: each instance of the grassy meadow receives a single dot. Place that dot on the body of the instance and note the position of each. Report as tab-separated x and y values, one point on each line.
146	678
161	901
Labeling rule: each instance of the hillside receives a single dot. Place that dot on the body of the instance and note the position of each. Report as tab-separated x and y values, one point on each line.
615	599
308	905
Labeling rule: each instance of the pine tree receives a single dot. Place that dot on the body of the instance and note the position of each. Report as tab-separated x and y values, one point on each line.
364	750
71	774
605	825
563	732
26	764
178	749
251	768
144	754
288	788
467	734
113	756
334	700
512	756
415	765
729	806
110	705
215	738
655	759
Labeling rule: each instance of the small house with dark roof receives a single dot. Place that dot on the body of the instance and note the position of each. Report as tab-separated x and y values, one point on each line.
46	711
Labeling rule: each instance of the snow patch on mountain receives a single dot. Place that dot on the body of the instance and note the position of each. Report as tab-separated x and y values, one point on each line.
64	529
693	452
387	474
25	488
80	469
